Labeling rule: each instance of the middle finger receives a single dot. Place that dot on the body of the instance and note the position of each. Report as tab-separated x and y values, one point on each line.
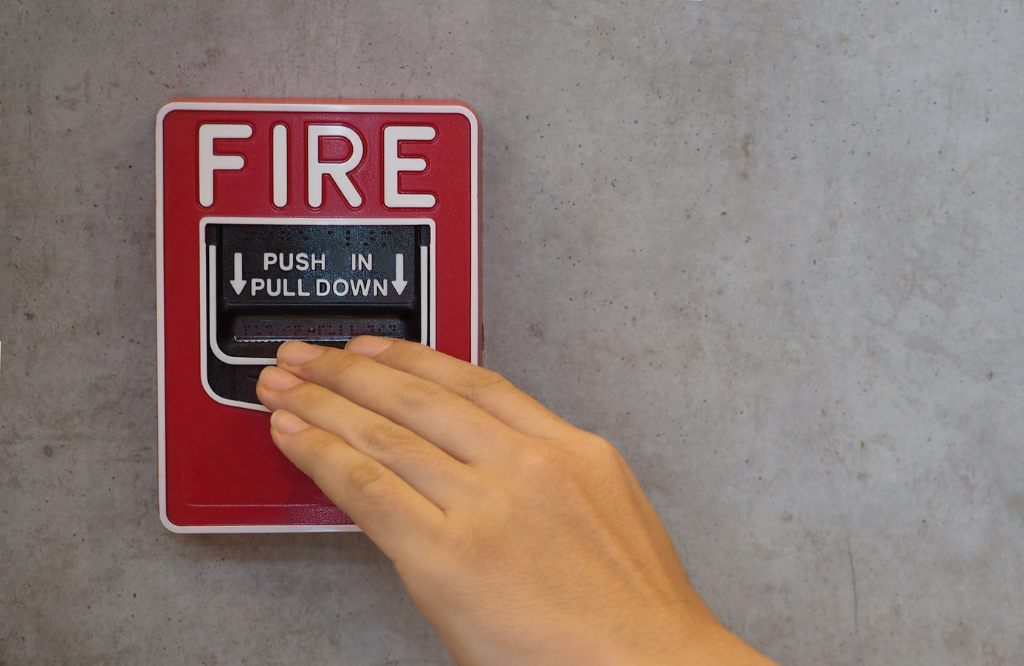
451	422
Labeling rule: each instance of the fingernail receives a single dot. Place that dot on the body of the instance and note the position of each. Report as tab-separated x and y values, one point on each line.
287	422
297	353
368	346
277	379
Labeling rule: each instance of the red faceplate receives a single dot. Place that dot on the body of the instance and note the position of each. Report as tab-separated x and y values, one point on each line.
220	471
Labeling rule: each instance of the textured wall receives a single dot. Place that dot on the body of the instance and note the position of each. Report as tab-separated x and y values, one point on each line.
773	251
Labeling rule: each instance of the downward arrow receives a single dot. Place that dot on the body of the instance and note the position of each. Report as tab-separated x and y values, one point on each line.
399	282
238	283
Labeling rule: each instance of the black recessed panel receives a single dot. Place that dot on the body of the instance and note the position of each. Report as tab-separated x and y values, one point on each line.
317	283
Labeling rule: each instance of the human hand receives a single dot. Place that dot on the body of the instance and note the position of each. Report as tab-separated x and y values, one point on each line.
521	538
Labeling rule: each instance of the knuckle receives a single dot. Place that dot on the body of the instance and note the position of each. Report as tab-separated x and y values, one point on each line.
403	354
603	454
415	395
545	464
339	363
458	540
366	480
480	383
568	469
535	458
383	436
603	449
310	399
319	446
403	351
472	542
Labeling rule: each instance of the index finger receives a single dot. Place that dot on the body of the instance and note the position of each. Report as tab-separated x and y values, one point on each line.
484	388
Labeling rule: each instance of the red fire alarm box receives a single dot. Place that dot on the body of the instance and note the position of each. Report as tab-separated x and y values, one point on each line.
283	220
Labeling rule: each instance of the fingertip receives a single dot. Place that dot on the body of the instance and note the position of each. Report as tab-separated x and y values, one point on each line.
262	396
368	345
276	379
296	352
287	423
261	382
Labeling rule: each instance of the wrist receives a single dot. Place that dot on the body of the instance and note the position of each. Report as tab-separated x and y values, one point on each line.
714	647
708	645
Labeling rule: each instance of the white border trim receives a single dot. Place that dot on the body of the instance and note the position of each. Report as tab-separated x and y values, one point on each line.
253	529
297	107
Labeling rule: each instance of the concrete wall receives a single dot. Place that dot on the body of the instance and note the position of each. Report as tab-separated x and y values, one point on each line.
772	250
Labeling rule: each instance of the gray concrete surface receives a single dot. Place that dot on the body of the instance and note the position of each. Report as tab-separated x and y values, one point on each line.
772	250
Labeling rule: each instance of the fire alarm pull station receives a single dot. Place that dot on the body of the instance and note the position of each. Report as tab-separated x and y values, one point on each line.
284	220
